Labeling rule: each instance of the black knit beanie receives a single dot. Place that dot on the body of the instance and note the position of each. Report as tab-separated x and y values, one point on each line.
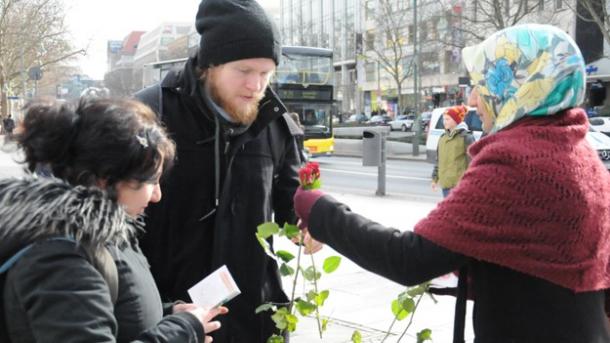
234	30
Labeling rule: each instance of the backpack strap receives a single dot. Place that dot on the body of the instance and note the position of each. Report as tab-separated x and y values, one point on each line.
100	259
460	306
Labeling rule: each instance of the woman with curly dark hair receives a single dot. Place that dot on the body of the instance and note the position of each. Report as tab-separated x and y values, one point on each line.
71	266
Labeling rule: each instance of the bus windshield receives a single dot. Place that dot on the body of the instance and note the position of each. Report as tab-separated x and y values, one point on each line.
298	68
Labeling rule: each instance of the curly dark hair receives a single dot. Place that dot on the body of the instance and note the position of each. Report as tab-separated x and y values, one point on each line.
97	139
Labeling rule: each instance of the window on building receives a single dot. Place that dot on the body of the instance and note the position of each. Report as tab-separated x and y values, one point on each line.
452	60
369	40
411	34
423	32
428	63
558	4
369	10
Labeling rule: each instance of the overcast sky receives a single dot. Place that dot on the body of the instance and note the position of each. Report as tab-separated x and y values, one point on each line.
93	23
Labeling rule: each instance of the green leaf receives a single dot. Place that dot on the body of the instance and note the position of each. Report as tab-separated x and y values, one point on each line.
305	307
424	335
279	318
275	339
398	311
324	324
331	264
418	290
265	246
263	308
286	270
284	255
292	321
320	298
310	274
356	337
266	230
291	231
407	304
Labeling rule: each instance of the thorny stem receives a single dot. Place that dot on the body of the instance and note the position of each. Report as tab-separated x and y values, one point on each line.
296	274
387	334
315	287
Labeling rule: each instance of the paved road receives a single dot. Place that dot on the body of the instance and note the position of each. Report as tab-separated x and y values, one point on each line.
404	179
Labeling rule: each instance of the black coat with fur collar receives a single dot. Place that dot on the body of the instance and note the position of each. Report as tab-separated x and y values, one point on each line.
187	235
54	293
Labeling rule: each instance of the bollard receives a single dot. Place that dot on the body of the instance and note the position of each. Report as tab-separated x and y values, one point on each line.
374	154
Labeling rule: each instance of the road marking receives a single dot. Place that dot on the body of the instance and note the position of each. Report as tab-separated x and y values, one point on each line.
375	174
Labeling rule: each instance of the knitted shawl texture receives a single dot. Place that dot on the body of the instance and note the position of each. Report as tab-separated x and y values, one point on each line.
535	199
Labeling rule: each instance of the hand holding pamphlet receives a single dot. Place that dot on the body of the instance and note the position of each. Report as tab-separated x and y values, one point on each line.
215	289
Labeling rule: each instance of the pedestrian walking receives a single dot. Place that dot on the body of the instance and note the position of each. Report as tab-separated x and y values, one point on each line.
71	269
528	224
237	166
452	151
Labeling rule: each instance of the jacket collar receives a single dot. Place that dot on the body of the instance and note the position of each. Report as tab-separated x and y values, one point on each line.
34	208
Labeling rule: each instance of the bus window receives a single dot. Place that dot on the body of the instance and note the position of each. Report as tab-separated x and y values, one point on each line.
310	117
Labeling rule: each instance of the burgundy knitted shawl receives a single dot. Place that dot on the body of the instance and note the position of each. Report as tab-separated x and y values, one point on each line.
536	199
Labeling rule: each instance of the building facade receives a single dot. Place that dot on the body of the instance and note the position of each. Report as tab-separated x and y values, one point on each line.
373	44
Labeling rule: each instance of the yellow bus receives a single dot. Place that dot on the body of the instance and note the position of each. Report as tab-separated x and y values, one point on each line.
304	83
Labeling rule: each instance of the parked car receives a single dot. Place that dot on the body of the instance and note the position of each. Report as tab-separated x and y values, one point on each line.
601	124
601	143
598	140
379	120
402	122
357	118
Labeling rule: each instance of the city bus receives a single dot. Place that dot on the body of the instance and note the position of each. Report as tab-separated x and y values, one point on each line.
304	83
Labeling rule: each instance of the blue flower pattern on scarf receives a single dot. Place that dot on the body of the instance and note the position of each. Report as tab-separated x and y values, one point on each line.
524	70
499	78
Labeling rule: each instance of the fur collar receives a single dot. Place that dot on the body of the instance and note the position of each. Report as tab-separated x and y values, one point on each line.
34	208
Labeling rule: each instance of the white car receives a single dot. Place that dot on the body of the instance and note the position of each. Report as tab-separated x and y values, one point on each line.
402	122
601	124
598	140
601	143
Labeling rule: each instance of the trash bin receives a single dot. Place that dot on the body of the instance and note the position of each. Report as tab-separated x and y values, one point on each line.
371	148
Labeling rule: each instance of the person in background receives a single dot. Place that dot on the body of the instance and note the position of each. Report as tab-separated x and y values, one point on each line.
300	138
9	126
72	270
237	166
452	150
528	225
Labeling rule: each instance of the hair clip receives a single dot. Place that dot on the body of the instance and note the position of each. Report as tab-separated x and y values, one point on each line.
142	140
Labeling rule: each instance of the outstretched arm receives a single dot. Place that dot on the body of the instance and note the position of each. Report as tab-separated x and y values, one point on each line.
403	257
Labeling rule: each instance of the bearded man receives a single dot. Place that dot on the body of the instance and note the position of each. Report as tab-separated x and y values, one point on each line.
237	165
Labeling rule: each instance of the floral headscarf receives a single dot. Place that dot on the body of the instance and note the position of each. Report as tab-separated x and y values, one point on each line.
524	70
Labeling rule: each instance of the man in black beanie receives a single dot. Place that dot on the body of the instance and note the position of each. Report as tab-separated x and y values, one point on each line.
237	165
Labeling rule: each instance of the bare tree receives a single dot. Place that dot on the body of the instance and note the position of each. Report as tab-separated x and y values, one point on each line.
32	33
388	43
592	11
122	82
475	20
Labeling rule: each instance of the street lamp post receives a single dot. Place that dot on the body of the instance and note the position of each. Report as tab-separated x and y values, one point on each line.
415	83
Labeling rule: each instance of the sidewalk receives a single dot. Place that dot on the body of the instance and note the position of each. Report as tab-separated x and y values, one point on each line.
394	150
361	300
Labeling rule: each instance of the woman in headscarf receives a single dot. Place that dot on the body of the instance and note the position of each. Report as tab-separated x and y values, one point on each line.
529	222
